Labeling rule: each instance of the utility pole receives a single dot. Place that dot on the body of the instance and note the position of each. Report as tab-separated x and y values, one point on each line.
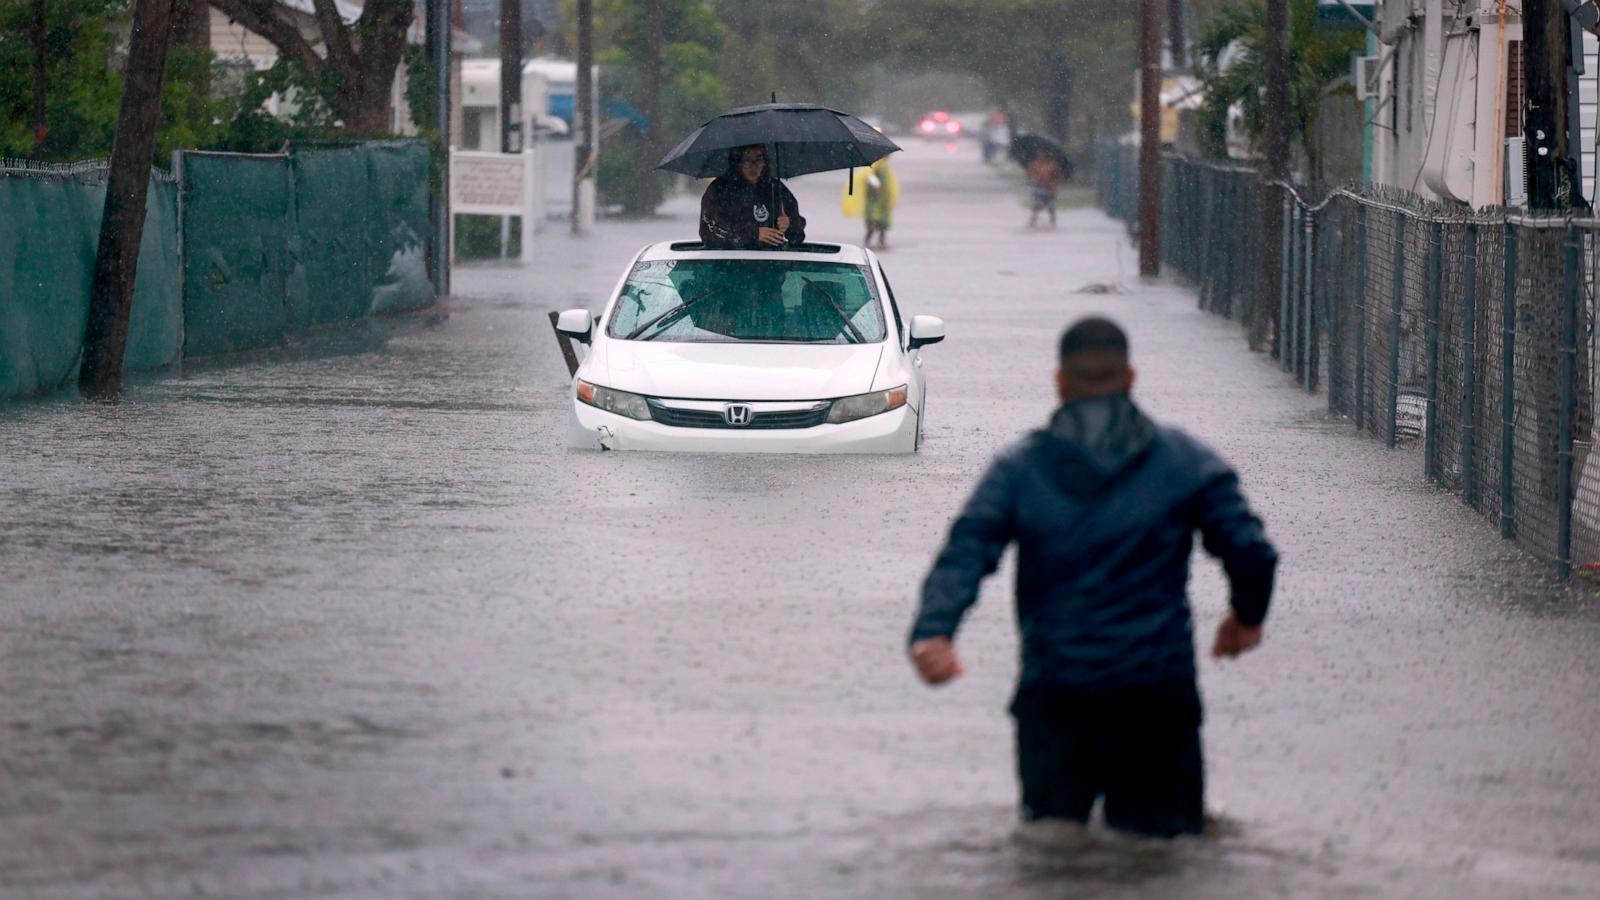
1547	35
116	261
649	189
1149	139
1264	319
436	37
511	136
40	77
583	121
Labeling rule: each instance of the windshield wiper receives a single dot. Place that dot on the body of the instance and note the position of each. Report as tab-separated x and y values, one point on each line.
856	337
673	314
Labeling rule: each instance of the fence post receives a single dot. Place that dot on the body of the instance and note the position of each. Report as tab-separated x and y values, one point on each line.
1571	295
1285	277
1508	375
1289	321
1396	305
1308	343
1430	438
1361	317
1469	371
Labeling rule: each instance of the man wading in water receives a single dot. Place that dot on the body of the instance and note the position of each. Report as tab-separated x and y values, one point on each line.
747	209
1103	505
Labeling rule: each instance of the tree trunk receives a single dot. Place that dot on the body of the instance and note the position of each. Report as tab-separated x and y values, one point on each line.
1264	316
647	192
1176	41
191	29
41	78
511	136
122	226
1056	107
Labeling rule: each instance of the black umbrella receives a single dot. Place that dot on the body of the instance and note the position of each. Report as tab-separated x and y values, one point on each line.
1024	147
803	138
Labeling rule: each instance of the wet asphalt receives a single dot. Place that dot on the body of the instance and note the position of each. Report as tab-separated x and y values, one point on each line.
348	620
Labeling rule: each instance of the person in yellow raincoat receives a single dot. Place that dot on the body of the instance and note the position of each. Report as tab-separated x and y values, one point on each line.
876	191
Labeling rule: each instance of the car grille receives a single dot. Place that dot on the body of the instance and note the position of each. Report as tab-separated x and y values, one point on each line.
759	420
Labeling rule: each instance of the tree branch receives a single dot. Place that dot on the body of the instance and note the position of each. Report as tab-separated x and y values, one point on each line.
335	36
260	17
384	24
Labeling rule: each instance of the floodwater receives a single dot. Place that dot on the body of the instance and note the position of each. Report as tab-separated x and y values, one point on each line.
347	620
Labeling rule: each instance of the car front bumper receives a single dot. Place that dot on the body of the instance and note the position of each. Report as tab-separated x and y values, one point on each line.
596	429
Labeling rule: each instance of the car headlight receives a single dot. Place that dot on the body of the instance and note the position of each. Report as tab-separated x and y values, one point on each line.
849	409
612	401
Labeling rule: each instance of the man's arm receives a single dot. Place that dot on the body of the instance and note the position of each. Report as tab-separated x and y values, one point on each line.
977	540
1233	534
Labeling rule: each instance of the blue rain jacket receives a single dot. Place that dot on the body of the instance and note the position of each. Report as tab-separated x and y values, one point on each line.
1103	506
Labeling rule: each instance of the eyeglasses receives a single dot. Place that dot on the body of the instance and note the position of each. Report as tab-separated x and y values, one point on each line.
753	161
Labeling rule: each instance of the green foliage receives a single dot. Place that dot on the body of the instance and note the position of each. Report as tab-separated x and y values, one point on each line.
823	51
82	92
691	90
1318	56
478	237
205	104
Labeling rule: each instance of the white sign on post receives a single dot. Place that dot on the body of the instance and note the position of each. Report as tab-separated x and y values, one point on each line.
494	184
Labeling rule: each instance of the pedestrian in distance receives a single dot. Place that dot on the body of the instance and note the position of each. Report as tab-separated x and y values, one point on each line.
1045	175
883	192
1103	505
746	208
996	134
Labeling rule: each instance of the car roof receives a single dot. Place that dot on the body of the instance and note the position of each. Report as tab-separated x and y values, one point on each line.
849	254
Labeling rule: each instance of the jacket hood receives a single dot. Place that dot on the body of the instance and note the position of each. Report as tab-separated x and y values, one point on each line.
1090	443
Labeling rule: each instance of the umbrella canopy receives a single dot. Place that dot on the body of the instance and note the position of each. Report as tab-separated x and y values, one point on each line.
1024	147
802	139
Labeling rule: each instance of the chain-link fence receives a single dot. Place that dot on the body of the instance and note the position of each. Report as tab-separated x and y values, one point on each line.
1471	334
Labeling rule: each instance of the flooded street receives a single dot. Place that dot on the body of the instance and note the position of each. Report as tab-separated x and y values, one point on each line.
348	620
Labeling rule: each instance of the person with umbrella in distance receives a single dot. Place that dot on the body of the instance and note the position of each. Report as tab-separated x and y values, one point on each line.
1044	174
1047	166
745	208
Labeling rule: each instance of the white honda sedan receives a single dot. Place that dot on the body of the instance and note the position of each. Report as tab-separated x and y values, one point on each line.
802	350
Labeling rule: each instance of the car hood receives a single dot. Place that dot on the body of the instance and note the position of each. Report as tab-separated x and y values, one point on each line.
739	371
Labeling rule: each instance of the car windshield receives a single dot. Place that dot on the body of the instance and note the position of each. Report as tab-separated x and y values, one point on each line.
759	300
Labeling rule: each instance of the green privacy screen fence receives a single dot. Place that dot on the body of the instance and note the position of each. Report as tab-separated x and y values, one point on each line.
239	253
49	230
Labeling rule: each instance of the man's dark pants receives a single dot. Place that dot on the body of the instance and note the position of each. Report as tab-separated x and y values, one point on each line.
1137	747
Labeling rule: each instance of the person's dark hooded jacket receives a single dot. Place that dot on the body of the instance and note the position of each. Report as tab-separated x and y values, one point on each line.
733	212
1103	506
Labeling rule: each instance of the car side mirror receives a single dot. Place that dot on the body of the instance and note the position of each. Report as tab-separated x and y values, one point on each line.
926	330
576	324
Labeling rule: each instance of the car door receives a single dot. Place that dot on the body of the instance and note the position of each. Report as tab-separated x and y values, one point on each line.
902	326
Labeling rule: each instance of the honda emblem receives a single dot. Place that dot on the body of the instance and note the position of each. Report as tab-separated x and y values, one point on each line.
736	414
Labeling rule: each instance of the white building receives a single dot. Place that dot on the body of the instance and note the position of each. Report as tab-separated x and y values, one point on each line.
1443	80
548	89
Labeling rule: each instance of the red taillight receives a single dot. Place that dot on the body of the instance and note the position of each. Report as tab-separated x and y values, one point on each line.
926	125
952	127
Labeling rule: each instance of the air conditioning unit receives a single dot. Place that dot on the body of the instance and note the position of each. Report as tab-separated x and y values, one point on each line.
1516	173
1366	74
